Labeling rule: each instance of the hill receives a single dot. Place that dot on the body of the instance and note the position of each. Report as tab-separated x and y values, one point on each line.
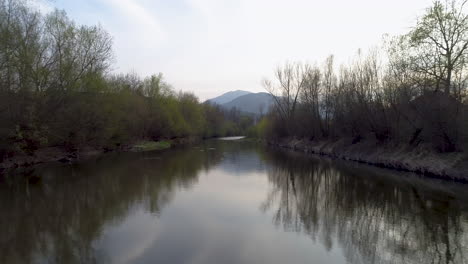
228	97
255	103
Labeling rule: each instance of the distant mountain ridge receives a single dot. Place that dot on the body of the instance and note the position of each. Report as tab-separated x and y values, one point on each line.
256	103
227	97
252	103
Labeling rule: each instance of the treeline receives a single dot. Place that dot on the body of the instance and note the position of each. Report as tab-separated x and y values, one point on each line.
56	89
412	90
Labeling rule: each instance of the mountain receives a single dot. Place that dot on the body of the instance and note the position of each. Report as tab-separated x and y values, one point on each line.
255	103
228	97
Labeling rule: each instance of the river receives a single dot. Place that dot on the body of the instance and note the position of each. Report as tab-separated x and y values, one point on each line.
229	201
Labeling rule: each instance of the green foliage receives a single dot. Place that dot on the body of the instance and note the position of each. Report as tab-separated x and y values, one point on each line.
262	129
151	145
437	45
55	90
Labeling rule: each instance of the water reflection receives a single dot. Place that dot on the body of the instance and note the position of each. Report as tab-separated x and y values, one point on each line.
375	218
200	204
59	220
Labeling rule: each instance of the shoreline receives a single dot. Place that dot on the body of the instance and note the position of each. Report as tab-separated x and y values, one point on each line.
420	160
60	154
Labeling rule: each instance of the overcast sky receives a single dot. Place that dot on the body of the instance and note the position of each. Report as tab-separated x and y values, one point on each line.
213	46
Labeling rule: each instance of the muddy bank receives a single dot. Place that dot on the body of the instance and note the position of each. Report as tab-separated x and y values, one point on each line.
421	159
61	154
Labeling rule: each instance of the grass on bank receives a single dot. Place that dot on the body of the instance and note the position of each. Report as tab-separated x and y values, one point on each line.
151	145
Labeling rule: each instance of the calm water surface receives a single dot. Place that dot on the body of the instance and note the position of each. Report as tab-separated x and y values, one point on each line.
229	202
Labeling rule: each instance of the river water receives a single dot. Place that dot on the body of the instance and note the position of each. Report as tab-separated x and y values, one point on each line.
229	201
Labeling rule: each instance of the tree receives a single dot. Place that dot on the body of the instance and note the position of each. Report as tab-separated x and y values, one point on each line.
439	42
74	52
328	82
290	80
311	98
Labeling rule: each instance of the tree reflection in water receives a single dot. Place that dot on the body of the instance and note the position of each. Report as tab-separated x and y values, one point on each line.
60	220
373	217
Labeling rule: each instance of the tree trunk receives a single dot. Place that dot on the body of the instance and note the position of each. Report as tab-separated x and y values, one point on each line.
448	80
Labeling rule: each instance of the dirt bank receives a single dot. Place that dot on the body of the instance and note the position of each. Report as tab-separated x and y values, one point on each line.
421	159
60	154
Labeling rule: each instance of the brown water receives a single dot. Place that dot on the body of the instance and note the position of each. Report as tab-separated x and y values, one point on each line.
229	202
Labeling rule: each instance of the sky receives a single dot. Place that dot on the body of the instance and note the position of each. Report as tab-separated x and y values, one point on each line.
209	47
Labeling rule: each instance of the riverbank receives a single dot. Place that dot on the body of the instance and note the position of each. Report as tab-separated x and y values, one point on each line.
421	159
61	154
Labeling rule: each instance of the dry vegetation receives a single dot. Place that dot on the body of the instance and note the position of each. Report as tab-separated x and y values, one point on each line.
410	92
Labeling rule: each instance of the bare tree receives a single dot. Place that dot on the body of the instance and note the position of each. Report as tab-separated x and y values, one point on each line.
289	82
329	82
311	94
